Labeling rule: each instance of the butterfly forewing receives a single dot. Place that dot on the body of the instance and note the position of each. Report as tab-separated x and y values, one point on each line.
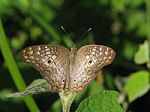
89	59
51	60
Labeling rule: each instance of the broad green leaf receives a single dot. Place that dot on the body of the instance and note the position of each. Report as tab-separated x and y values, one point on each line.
137	85
105	101
36	87
142	55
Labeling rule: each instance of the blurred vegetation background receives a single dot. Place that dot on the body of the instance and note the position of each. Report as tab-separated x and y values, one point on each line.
124	25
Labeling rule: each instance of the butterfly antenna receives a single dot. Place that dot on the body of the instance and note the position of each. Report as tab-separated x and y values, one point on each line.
72	43
83	35
86	32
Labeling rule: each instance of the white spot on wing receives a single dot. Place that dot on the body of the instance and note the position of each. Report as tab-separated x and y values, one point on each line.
38	53
39	48
100	48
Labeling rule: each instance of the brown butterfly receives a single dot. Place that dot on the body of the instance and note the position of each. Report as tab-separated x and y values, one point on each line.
68	70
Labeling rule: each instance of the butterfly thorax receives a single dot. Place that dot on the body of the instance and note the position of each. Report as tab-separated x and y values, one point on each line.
72	58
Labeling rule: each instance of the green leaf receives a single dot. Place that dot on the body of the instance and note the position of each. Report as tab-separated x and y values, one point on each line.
142	55
105	101
36	87
137	85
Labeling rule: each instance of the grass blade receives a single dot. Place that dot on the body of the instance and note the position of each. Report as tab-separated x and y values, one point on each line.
14	71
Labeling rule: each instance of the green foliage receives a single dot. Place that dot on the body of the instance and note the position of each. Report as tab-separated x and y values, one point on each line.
17	43
103	102
123	25
142	55
137	85
13	69
118	5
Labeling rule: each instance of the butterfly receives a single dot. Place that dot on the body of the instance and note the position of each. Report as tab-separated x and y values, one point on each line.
68	70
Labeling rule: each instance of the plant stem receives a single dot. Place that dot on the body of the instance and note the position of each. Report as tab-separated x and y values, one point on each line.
14	71
66	100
